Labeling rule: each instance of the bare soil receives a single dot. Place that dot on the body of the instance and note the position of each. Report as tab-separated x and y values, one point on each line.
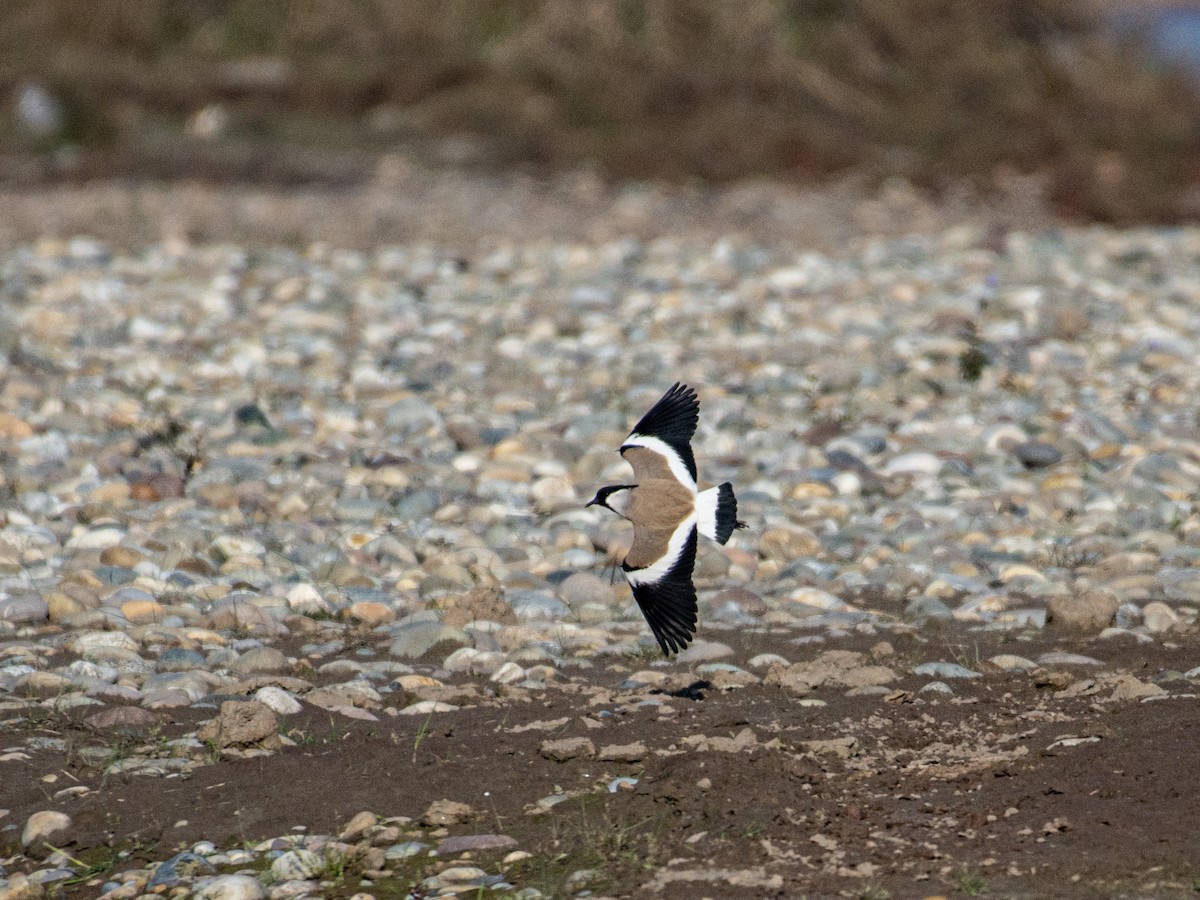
915	794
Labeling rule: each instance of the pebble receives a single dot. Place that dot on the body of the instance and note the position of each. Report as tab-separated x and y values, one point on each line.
565	749
1036	454
278	699
1012	663
241	724
297	865
1158	617
466	843
1062	658
44	826
704	651
945	670
24	609
405	850
1090	611
630	753
231	887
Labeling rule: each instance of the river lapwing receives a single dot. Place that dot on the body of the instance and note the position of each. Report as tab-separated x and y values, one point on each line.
667	511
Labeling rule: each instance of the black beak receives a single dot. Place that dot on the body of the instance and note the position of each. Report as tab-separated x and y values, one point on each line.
592	502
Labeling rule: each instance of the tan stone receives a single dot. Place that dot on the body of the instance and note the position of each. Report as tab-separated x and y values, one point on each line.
1127	687
242	723
788	543
109	492
634	752
447	812
370	612
125	557
62	607
357	825
143	611
14	429
19	887
1086	611
42	826
485	602
568	748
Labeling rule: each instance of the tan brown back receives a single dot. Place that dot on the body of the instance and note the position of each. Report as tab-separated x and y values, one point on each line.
647	465
656	508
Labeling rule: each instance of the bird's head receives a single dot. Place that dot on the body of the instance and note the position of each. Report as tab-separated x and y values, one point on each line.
614	497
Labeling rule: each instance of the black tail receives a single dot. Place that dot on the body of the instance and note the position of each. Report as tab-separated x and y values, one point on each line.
727	519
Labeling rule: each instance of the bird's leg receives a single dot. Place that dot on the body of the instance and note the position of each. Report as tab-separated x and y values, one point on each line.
610	567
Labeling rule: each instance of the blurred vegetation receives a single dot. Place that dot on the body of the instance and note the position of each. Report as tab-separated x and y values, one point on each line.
937	91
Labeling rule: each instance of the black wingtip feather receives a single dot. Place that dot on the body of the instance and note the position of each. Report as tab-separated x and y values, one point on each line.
727	520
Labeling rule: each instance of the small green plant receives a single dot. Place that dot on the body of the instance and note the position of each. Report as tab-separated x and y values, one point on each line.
95	861
212	751
642	653
334	868
971	882
421	733
874	891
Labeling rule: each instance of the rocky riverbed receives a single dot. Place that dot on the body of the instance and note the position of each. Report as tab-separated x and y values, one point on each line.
298	597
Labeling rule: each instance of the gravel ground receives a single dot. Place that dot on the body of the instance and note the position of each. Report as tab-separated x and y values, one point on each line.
264	508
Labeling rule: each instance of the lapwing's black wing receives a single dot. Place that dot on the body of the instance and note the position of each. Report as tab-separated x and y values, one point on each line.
668	429
664	590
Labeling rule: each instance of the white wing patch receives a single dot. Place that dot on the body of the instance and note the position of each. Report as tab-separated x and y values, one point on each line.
706	512
663	449
658	569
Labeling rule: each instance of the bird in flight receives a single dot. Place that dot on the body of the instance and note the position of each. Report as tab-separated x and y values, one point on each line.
667	510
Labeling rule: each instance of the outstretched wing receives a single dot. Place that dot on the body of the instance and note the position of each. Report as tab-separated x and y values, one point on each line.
667	430
663	587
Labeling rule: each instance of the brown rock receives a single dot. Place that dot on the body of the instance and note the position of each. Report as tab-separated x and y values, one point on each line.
834	668
474	842
447	812
144	492
125	557
1087	611
109	492
842	747
242	723
786	544
748	601
743	740
484	602
370	612
261	660
121	718
357	825
252	683
567	748
723	679
141	612
62	606
19	887
1127	687
368	859
864	676
634	752
327	699
42	826
242	615
14	429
